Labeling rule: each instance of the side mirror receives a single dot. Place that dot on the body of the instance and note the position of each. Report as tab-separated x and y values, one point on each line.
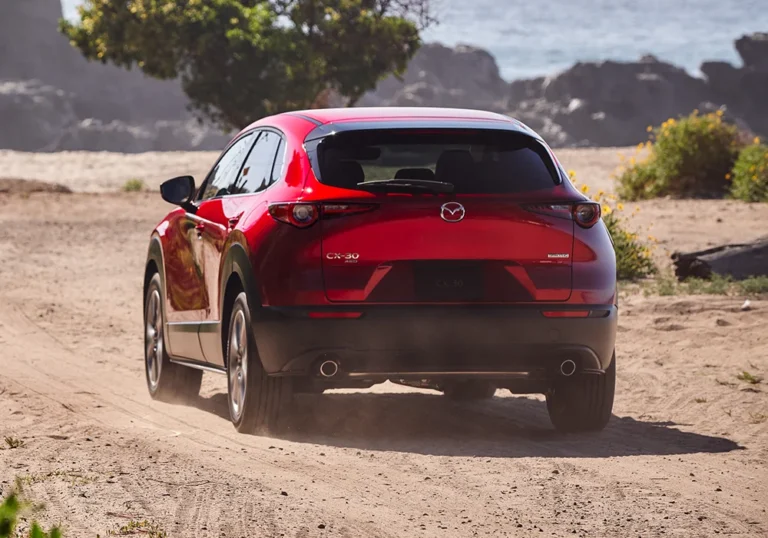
179	191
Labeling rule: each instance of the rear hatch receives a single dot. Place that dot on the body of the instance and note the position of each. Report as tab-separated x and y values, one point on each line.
443	216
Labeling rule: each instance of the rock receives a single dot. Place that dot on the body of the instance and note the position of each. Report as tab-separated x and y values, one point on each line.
463	76
34	116
753	50
736	261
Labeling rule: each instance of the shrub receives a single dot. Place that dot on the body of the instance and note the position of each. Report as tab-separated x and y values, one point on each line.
133	185
689	157
633	258
750	174
10	511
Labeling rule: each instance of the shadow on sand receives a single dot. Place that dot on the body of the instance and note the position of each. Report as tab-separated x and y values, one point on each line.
504	427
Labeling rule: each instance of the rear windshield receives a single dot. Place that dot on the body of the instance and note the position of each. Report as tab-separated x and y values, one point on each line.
474	162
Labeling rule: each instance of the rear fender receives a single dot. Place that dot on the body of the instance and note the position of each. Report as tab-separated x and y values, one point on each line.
594	266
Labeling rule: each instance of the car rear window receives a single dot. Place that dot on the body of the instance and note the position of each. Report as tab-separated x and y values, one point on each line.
474	161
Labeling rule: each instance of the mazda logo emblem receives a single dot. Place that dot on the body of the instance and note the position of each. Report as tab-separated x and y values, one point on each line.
452	212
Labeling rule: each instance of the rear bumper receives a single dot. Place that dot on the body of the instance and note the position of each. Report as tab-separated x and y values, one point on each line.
452	341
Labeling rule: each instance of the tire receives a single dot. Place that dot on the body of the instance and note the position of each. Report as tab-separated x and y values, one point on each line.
469	390
166	381
256	400
583	403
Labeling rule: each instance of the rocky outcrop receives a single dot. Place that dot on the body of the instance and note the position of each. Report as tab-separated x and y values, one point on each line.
592	103
33	116
744	90
606	103
445	77
54	99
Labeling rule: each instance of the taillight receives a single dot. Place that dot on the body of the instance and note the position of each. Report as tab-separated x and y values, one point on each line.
586	214
299	215
304	215
340	210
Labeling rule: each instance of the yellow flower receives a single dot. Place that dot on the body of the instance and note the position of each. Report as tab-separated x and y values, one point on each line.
649	128
719	113
600	193
584	189
752	168
756	140
571	174
620	207
727	177
632	161
606	209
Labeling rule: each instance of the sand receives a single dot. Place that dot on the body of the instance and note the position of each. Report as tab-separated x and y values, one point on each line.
685	454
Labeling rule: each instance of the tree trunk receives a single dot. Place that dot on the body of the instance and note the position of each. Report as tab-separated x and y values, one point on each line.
737	261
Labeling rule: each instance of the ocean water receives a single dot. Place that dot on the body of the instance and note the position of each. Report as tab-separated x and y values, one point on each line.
538	37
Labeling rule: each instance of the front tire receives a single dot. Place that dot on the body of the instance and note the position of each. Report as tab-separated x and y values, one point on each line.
583	402
166	381
256	400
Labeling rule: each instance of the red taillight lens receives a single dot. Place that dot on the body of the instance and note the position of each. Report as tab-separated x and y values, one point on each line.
340	210
556	210
586	214
299	215
304	215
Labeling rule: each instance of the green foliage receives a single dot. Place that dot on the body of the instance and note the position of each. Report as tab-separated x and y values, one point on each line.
689	157
147	528
750	174
749	378
14	442
633	259
133	185
10	510
240	60
667	284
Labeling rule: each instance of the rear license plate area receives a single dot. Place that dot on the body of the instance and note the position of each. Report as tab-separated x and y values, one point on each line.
448	281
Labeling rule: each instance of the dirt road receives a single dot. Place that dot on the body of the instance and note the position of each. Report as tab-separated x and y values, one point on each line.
686	453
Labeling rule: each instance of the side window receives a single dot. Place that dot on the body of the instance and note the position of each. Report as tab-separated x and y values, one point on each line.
277	170
257	173
221	180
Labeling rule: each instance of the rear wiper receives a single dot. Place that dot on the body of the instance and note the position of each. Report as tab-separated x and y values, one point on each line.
408	184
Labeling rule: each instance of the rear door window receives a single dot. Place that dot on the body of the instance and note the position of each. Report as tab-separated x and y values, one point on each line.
474	161
257	173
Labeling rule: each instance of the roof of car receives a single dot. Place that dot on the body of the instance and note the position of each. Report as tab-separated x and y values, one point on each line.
335	115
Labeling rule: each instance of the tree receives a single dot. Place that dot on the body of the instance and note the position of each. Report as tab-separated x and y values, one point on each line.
239	60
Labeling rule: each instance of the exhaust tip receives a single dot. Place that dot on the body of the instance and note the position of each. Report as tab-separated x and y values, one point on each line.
568	368
329	368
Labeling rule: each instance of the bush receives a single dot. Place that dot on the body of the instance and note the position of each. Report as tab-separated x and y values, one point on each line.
750	174
10	510
689	157
633	258
133	185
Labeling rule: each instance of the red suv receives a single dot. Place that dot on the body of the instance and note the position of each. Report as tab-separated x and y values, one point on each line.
341	248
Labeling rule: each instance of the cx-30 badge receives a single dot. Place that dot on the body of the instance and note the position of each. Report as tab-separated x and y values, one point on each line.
452	212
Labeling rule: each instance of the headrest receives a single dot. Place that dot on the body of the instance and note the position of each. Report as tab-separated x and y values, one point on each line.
454	166
345	174
415	173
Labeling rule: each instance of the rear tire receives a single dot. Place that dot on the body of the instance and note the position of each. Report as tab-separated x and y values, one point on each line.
166	381
469	390
256	400
583	402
